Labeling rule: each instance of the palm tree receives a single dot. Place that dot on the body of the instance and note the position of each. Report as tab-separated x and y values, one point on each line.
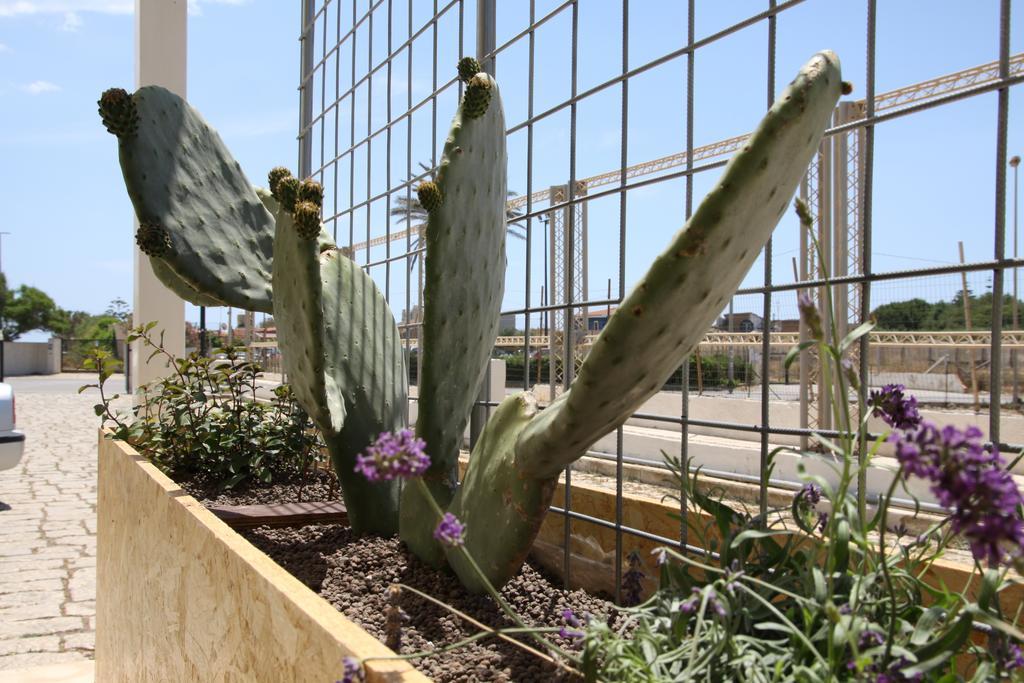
409	211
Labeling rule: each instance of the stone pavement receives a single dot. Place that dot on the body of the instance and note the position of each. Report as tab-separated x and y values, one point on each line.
48	526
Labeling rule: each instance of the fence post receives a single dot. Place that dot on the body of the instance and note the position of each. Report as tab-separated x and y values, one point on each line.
486	33
305	90
492	390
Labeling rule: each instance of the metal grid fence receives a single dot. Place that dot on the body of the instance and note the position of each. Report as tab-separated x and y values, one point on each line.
377	79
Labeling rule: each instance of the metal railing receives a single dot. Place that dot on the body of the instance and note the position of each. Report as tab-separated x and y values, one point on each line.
377	79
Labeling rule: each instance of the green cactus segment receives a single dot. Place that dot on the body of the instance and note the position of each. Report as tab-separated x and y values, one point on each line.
468	67
666	315
478	96
501	509
180	175
118	112
464	285
173	282
464	281
343	356
298	315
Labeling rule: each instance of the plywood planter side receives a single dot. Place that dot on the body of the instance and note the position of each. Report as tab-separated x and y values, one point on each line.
181	597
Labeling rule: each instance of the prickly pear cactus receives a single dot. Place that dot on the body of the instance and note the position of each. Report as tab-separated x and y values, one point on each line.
465	278
656	326
181	177
343	356
173	282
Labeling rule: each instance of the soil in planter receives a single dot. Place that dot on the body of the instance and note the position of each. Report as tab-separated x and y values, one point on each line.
315	486
354	572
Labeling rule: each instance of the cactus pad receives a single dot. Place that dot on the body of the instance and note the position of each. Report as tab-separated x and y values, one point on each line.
343	355
180	175
173	282
501	510
464	285
276	175
468	67
667	313
310	191
118	112
307	220
477	96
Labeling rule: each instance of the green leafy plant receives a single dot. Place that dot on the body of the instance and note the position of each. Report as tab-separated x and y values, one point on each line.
205	421
823	589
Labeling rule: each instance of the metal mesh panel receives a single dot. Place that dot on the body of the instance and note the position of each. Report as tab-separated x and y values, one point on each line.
378	88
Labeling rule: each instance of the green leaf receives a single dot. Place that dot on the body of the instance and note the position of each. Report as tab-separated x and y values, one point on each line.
948	643
926	624
795	352
856	334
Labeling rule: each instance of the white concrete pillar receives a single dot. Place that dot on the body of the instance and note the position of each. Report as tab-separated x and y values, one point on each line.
160	59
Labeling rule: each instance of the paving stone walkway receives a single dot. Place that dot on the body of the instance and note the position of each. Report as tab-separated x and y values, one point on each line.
48	528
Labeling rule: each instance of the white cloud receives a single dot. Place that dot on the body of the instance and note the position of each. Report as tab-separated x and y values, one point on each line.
40	87
17	8
71	22
5	48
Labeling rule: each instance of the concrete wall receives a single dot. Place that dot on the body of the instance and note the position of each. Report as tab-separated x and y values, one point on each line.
31	358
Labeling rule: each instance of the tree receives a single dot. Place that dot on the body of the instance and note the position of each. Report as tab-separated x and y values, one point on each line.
27	309
410	212
119	309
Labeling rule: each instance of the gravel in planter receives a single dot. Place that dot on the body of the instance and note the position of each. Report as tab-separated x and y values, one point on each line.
354	572
314	487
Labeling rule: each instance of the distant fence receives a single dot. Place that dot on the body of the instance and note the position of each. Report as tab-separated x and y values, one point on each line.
74	351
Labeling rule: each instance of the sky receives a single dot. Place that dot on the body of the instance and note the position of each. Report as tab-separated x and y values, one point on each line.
69	217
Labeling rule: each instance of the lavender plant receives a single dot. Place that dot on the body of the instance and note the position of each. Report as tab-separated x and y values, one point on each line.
821	590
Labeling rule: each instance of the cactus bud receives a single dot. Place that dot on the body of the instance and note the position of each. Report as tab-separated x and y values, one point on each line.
477	97
311	191
153	239
468	67
287	192
846	88
118	112
274	178
307	220
429	195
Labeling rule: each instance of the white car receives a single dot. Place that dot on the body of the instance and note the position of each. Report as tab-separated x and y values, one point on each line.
12	441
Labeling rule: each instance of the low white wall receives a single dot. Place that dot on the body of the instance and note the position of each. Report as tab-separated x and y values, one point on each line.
32	358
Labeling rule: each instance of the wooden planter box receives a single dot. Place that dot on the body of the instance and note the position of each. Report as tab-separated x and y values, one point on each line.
182	597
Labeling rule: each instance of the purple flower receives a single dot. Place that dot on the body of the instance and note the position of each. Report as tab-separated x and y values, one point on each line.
352	671
822	522
969	480
889	403
809	495
809	314
894	673
869	638
714	604
450	530
573	622
393	456
1007	655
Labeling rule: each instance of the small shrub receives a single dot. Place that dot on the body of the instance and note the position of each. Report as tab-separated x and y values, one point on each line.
204	421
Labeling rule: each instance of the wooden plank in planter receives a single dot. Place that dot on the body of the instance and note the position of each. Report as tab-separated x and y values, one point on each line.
182	597
283	514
